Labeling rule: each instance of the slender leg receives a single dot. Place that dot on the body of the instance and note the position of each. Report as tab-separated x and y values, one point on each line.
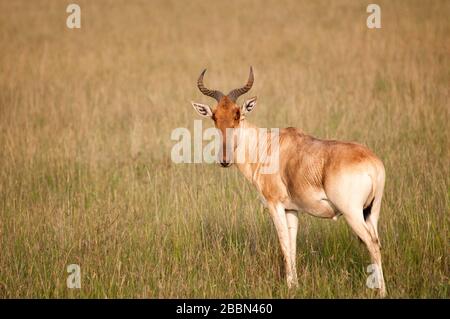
372	220
278	215
292	222
356	221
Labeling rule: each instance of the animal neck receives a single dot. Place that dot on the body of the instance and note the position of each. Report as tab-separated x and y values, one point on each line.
246	149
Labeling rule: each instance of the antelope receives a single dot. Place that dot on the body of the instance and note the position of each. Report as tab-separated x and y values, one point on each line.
324	178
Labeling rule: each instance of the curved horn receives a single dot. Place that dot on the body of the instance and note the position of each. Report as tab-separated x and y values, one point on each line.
217	95
234	94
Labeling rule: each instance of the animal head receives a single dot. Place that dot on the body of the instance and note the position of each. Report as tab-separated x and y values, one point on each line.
226	114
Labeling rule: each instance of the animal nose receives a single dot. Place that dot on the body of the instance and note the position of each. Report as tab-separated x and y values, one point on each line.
225	164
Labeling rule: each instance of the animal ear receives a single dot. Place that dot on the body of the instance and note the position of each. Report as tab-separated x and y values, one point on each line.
248	106
202	109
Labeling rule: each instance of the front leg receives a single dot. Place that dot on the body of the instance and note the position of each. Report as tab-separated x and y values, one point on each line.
278	215
292	223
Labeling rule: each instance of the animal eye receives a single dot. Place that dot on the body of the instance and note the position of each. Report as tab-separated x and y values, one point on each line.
213	117
238	115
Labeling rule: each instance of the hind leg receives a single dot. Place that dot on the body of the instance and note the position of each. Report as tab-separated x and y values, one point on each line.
372	219
356	221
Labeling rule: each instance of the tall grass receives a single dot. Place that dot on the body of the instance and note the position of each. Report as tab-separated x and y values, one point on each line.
86	116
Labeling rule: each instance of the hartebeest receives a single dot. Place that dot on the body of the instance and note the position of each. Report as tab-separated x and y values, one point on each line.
325	178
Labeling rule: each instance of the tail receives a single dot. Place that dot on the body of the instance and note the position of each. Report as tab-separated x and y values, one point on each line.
372	211
368	210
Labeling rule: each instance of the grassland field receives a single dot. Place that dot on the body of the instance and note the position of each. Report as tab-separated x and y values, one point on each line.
85	170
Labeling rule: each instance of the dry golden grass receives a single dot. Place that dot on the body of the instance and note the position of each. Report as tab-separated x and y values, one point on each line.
86	117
